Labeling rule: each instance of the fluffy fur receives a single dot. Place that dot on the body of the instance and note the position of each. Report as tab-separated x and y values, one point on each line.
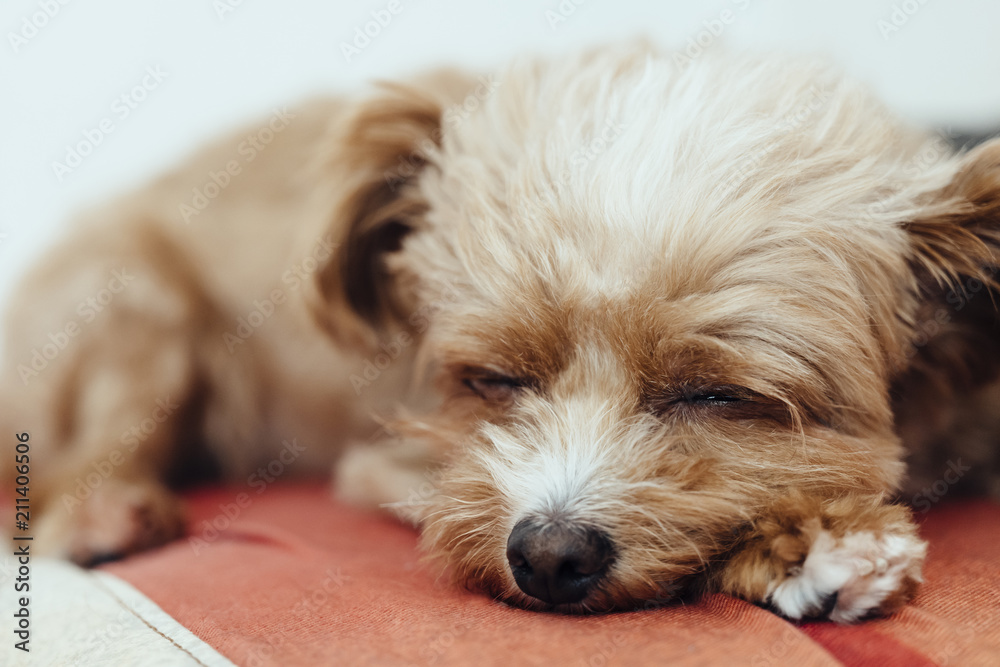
682	303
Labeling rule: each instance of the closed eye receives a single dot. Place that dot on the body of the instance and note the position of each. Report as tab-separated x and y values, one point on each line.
722	401
494	388
714	396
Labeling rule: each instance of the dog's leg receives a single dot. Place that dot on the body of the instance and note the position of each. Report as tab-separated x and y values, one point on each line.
105	497
393	475
845	559
104	413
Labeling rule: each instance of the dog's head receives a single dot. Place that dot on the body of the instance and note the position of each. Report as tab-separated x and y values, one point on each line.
665	293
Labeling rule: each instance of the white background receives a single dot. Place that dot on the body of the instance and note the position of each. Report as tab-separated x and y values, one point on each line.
941	67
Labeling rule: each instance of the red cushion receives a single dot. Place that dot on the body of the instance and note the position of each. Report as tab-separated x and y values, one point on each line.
293	578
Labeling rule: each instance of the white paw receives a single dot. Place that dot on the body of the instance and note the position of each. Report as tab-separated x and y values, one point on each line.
851	577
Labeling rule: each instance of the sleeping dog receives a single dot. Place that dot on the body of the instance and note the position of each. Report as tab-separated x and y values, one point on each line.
606	327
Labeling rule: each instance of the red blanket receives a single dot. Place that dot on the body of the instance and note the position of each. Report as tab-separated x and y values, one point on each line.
289	577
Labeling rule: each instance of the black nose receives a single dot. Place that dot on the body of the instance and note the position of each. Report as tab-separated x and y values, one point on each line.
557	563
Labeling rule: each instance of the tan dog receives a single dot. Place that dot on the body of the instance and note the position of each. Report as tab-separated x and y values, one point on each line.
639	324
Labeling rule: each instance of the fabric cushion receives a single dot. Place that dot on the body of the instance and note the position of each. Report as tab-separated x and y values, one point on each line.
290	577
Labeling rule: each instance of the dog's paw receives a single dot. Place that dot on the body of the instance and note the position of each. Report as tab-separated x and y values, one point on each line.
118	518
849	578
388	477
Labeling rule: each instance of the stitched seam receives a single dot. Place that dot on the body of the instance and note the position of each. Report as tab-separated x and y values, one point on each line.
149	625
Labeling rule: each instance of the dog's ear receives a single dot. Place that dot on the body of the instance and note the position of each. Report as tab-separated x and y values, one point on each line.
954	350
960	238
375	155
956	256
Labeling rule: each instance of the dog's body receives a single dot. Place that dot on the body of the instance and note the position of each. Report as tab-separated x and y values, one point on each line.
651	322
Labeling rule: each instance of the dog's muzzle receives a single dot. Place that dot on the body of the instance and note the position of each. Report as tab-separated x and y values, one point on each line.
558	563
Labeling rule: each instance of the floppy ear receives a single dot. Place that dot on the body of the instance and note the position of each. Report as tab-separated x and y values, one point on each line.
961	237
377	152
956	256
940	398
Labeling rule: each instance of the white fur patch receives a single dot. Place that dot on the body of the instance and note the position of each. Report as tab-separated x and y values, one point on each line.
862	569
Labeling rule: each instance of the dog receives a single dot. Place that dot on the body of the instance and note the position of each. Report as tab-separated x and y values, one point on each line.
609	328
